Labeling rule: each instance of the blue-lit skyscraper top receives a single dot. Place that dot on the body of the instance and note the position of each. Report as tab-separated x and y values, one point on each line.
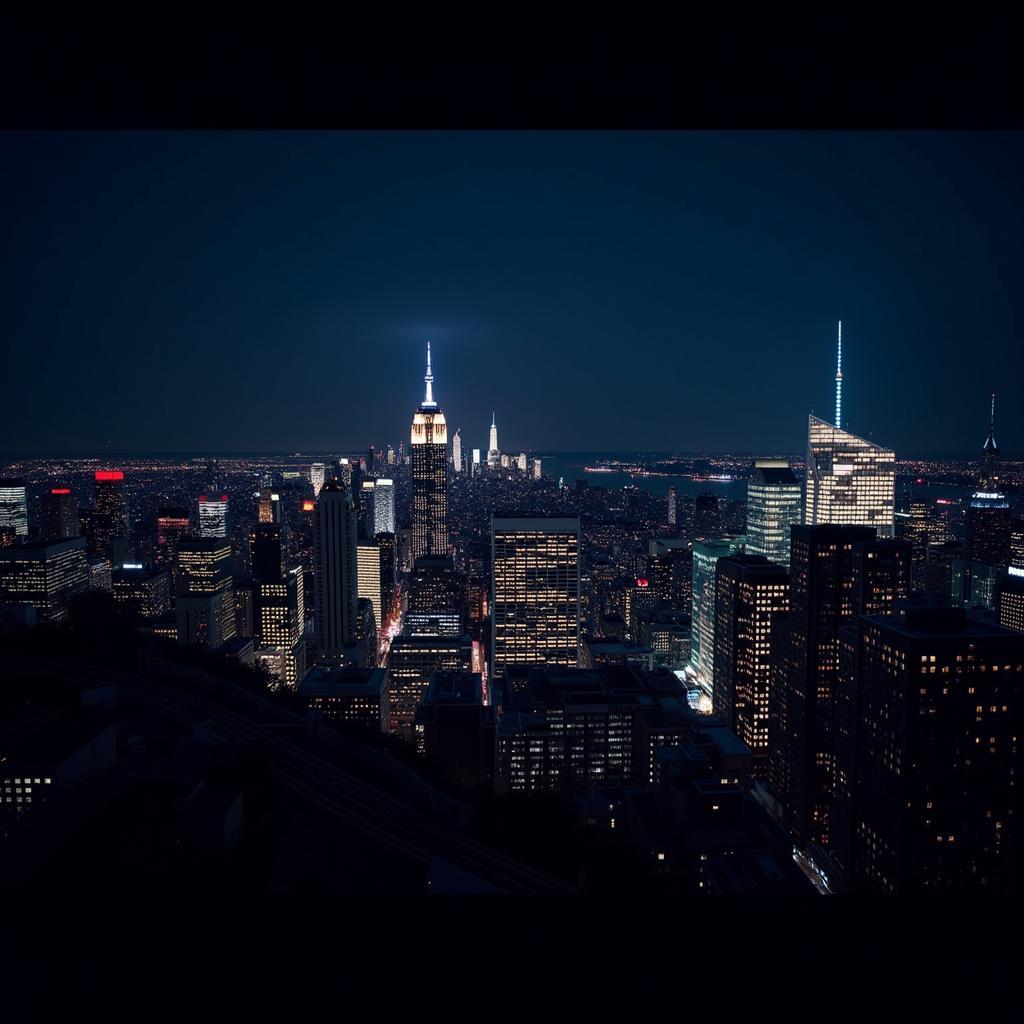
839	379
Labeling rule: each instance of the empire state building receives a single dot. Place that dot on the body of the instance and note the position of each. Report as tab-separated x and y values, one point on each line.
429	475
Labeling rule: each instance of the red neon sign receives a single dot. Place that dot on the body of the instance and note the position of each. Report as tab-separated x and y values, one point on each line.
61	490
641	583
104	475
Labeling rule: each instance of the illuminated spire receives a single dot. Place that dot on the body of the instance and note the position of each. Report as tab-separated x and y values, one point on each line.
839	379
429	380
990	455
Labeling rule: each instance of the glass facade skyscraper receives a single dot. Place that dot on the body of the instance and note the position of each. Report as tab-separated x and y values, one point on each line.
14	506
850	481
774	500
706	554
213	516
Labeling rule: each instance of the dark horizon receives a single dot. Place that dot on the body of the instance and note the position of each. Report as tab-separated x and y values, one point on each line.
598	290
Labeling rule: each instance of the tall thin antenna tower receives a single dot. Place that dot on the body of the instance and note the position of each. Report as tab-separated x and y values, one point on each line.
839	379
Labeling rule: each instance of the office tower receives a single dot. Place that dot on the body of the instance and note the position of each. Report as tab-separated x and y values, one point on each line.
391	453
352	695
750	595
99	572
672	496
205	604
836	573
670	566
345	472
706	518
1017	545
367	635
1010	601
535	591
368	577
706	554
774	504
336	572
476	462
536	469
456	728
522	462
59	509
279	605
412	662
429	475
109	519
213	474
437	598
316	477
929	754
988	529
457	451
269	506
213	516
14	506
383	506
245	609
367	513
172	523
850	481
493	453
914	525
505	462
973	584
145	593
388	574
45	574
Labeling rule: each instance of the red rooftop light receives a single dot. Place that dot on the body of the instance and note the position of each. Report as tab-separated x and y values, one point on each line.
60	490
103	475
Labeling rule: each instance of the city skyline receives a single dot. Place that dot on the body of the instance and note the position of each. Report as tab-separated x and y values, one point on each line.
744	250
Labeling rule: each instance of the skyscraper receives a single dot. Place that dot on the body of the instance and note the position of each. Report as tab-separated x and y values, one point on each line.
929	758
279	604
213	515
369	583
429	474
836	573
109	521
493	453
367	512
774	500
750	594
269	506
59	510
850	481
672	497
536	469
316	477
45	574
535	591
172	523
457	451
383	506
706	516
706	554
475	469
988	512
437	598
336	573
14	506
205	604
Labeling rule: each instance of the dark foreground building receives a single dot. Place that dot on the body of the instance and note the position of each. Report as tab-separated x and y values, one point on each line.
929	717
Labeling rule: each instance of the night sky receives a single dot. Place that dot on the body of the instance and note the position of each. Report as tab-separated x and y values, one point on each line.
664	292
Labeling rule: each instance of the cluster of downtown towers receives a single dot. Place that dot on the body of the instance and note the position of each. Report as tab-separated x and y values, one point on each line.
877	689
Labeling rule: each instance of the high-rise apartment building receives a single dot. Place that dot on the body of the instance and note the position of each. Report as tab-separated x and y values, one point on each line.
336	572
14	506
774	504
535	591
429	475
850	481
750	595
